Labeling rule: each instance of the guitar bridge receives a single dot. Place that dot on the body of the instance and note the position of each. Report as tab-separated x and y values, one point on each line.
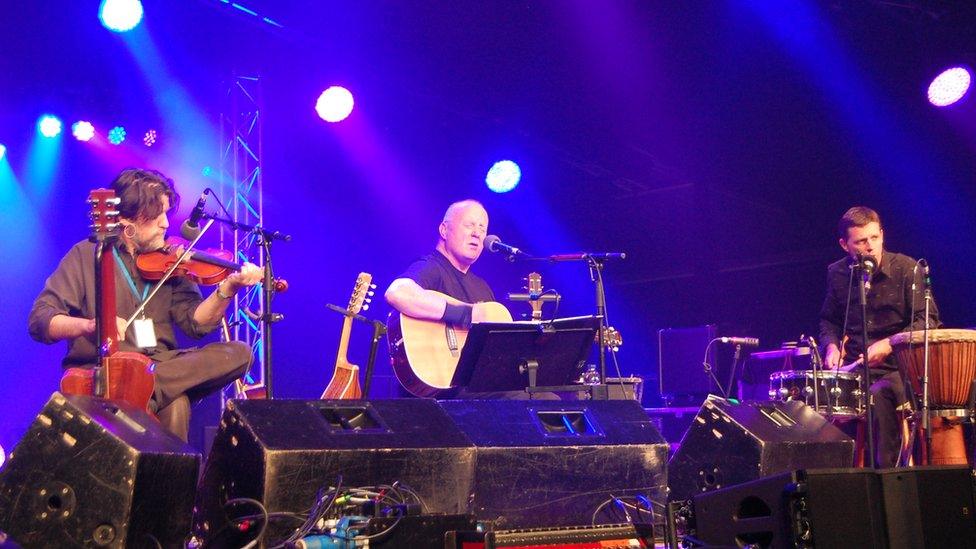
452	342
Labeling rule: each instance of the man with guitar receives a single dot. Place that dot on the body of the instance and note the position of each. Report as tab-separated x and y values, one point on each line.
439	298
64	310
895	303
461	237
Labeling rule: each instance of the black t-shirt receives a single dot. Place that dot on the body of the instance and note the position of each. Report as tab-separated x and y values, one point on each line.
435	272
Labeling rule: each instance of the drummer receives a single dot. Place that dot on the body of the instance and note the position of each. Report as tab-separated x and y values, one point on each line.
890	302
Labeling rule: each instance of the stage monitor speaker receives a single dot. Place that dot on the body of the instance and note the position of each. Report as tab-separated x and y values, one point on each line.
554	463
729	443
803	509
682	379
90	472
930	506
283	452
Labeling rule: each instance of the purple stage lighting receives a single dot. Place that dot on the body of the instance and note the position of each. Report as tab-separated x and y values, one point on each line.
120	15
335	104
150	138
49	125
503	176
82	130
116	135
950	86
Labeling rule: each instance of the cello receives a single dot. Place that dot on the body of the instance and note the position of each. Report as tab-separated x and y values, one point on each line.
119	375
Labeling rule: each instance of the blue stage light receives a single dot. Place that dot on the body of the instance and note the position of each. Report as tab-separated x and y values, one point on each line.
116	135
120	15
503	176
3	151
49	125
82	130
335	104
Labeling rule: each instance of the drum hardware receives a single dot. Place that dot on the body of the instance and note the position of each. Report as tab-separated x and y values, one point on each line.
835	395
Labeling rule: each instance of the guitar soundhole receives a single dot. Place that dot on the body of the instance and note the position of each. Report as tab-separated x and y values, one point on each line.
352	419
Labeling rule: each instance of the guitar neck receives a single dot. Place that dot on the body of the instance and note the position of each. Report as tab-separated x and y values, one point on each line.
107	328
342	356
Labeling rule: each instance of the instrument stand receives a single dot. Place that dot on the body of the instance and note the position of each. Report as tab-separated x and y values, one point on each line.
379	330
99	386
870	450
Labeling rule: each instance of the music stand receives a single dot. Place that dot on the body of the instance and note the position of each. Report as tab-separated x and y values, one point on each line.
530	356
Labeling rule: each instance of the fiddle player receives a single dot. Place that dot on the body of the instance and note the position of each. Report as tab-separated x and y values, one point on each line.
65	308
895	286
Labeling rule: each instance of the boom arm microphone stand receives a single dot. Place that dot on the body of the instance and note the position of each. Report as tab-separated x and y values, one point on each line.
269	284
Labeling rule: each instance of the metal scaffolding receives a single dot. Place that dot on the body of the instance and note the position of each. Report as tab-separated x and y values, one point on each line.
241	190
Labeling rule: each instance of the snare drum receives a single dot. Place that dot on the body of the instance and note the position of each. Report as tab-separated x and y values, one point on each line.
838	394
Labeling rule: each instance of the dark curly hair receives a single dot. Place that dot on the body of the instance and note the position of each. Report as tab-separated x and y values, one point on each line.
141	193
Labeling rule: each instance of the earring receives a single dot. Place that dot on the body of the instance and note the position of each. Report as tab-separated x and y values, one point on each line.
129	231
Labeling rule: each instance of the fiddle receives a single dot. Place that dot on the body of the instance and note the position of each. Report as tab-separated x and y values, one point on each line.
210	267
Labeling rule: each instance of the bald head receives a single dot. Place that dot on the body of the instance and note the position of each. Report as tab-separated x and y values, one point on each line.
462	233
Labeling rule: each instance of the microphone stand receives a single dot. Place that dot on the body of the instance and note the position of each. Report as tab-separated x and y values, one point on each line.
595	263
866	373
266	317
926	418
596	275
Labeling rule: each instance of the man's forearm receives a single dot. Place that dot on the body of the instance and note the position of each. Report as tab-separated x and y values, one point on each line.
69	327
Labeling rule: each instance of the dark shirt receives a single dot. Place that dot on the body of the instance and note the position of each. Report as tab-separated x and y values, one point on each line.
889	304
70	290
435	272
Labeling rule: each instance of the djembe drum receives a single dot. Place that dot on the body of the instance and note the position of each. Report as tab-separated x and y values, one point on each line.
952	369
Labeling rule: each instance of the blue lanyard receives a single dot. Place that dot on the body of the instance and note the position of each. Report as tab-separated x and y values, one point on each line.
128	278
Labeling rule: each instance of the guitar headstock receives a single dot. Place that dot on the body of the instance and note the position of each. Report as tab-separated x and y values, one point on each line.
611	338
535	290
104	214
362	293
535	284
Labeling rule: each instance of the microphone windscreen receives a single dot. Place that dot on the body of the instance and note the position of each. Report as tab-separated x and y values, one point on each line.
490	242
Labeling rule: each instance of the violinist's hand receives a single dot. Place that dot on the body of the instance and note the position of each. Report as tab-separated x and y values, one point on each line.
249	275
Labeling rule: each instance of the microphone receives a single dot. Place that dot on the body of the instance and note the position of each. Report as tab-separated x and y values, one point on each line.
583	256
744	341
190	228
867	264
495	244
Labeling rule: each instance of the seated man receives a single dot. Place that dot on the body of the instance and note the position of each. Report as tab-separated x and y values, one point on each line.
65	309
461	237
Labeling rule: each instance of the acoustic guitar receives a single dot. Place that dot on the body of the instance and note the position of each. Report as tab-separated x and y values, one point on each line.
425	353
345	377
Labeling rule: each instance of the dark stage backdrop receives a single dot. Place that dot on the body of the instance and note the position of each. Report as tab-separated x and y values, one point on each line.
717	143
